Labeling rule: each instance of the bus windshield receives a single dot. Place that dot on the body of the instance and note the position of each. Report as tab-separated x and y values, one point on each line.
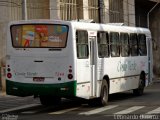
39	36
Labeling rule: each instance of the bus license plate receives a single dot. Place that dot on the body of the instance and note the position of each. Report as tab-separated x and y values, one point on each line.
38	79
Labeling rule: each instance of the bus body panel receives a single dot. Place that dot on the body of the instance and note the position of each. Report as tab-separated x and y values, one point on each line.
40	71
26	68
83	78
124	72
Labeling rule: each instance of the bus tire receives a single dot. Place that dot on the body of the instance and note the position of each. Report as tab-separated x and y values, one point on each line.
140	90
103	99
49	100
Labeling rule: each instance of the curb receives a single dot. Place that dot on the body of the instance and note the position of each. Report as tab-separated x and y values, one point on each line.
2	93
156	81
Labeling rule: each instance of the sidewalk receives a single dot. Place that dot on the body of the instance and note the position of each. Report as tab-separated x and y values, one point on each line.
156	80
2	93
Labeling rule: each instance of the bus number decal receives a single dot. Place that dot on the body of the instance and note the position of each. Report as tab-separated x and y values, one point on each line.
59	74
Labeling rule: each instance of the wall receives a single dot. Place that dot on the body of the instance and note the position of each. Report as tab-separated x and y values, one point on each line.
155	31
54	6
38	9
142	9
3	33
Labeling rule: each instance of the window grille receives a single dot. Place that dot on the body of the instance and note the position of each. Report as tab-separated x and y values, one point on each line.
93	10
116	11
68	9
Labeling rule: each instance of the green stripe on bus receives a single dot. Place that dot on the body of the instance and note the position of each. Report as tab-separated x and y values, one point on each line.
67	89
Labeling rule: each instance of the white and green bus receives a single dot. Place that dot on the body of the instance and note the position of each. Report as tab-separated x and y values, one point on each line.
54	59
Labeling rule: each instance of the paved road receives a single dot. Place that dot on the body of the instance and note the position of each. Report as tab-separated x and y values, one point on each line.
121	106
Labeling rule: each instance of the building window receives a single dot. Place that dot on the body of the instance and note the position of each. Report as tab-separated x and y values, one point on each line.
93	9
115	46
116	11
68	9
82	44
124	38
134	44
103	44
142	45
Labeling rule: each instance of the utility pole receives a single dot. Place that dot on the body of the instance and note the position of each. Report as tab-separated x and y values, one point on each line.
24	10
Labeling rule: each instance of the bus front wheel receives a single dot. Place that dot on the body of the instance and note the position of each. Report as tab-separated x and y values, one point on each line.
103	99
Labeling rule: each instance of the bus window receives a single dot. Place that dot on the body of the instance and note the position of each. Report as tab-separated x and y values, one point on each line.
82	44
142	45
124	38
134	44
115	46
103	44
39	36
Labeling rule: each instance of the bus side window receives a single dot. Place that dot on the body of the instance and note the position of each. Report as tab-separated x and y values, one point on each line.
82	44
124	38
142	45
103	44
115	44
134	44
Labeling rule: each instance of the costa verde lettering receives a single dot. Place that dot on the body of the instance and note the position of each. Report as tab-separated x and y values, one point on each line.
30	74
126	66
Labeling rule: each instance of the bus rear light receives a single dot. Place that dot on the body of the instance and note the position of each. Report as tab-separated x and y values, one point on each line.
70	70
8	69
70	76
9	75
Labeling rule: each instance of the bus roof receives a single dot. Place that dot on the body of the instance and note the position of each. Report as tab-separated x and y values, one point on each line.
111	28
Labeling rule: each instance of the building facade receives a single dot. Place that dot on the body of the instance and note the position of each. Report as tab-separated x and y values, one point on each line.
100	11
147	14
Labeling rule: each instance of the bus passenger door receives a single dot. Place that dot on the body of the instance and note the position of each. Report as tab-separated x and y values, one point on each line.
93	61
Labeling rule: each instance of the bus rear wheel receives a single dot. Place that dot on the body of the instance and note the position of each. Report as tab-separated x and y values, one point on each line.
140	90
49	100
